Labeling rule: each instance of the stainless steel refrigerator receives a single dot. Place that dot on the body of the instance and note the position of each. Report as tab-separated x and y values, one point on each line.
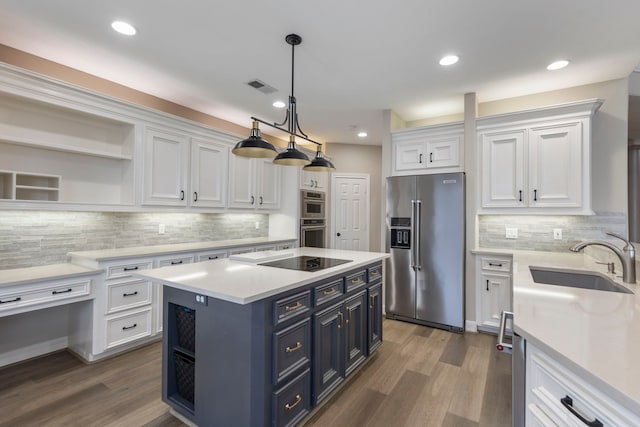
426	240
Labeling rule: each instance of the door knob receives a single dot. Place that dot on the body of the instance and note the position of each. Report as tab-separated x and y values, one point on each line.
338	234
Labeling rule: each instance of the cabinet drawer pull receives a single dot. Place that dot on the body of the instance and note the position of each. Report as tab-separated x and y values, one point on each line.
520	191
253	199
260	200
130	294
357	281
567	402
66	291
293	307
11	300
420	160
181	194
297	347
487	284
213	257
375	273
290	406
328	292
195	196
430	157
176	262
495	265
131	268
535	195
126	328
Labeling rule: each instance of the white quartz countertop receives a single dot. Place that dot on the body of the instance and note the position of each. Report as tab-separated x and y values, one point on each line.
246	282
20	276
174	248
596	334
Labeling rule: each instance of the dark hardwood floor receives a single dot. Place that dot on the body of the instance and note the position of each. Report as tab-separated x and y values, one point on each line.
419	377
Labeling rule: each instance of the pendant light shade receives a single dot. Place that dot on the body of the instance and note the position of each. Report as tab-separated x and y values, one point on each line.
291	156
254	146
319	163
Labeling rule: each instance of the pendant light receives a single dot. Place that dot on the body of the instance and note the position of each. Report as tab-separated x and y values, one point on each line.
291	156
254	146
319	163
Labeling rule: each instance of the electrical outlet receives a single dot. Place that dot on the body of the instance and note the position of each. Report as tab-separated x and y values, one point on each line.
161	229
557	234
511	233
257	225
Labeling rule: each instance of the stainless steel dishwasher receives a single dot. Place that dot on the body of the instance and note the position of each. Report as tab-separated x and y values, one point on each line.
517	348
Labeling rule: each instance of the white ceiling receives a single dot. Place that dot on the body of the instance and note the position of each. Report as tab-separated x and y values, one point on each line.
357	57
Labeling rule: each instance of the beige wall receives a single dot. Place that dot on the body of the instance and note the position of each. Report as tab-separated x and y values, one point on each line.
351	158
436	120
43	66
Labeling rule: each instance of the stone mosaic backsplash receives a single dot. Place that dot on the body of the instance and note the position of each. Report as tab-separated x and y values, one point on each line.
535	232
32	238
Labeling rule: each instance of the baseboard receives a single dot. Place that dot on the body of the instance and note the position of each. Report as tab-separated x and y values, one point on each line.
470	326
34	350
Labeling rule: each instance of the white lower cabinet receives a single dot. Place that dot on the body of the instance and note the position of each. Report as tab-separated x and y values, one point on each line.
557	396
493	290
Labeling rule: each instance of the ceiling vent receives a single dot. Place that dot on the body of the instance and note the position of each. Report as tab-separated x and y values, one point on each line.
262	87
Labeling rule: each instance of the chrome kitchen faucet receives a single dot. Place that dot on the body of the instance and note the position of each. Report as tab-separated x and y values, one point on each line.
627	255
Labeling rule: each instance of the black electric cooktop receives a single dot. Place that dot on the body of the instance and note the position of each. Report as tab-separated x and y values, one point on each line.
306	263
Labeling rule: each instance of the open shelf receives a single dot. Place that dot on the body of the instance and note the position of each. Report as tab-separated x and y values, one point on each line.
25	186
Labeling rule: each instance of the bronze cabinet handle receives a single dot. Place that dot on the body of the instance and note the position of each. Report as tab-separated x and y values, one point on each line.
328	292
290	406
293	307
297	347
340	315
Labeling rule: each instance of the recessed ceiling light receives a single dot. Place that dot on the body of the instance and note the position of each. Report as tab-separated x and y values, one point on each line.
557	65
279	104
449	60
362	134
123	28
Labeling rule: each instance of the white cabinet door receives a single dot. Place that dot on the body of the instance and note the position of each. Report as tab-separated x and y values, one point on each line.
208	173
166	160
314	180
443	152
555	165
267	184
503	169
241	182
495	298
253	183
409	155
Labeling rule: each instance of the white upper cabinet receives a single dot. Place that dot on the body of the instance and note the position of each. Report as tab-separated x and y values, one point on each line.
538	161
209	173
254	183
166	163
318	181
429	149
170	179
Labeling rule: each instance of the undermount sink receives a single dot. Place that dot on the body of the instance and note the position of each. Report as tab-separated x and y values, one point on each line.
576	279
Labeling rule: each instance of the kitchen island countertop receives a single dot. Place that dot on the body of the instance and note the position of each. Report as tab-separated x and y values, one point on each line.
246	282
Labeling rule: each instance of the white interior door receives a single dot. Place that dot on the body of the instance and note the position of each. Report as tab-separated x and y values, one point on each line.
350	211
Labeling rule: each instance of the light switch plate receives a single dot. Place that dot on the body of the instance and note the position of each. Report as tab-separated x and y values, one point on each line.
511	233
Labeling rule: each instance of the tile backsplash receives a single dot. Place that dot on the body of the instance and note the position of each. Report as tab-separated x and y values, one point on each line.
32	238
535	232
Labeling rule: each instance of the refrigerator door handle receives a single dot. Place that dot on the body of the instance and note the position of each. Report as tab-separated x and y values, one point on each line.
416	238
412	242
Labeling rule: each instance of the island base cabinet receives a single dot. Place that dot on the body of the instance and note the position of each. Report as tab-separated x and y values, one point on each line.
374	338
269	362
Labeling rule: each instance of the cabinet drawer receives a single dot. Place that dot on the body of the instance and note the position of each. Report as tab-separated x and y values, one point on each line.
356	280
494	264
125	270
42	294
292	402
375	273
549	383
291	349
328	292
166	262
121	296
128	327
209	256
292	306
